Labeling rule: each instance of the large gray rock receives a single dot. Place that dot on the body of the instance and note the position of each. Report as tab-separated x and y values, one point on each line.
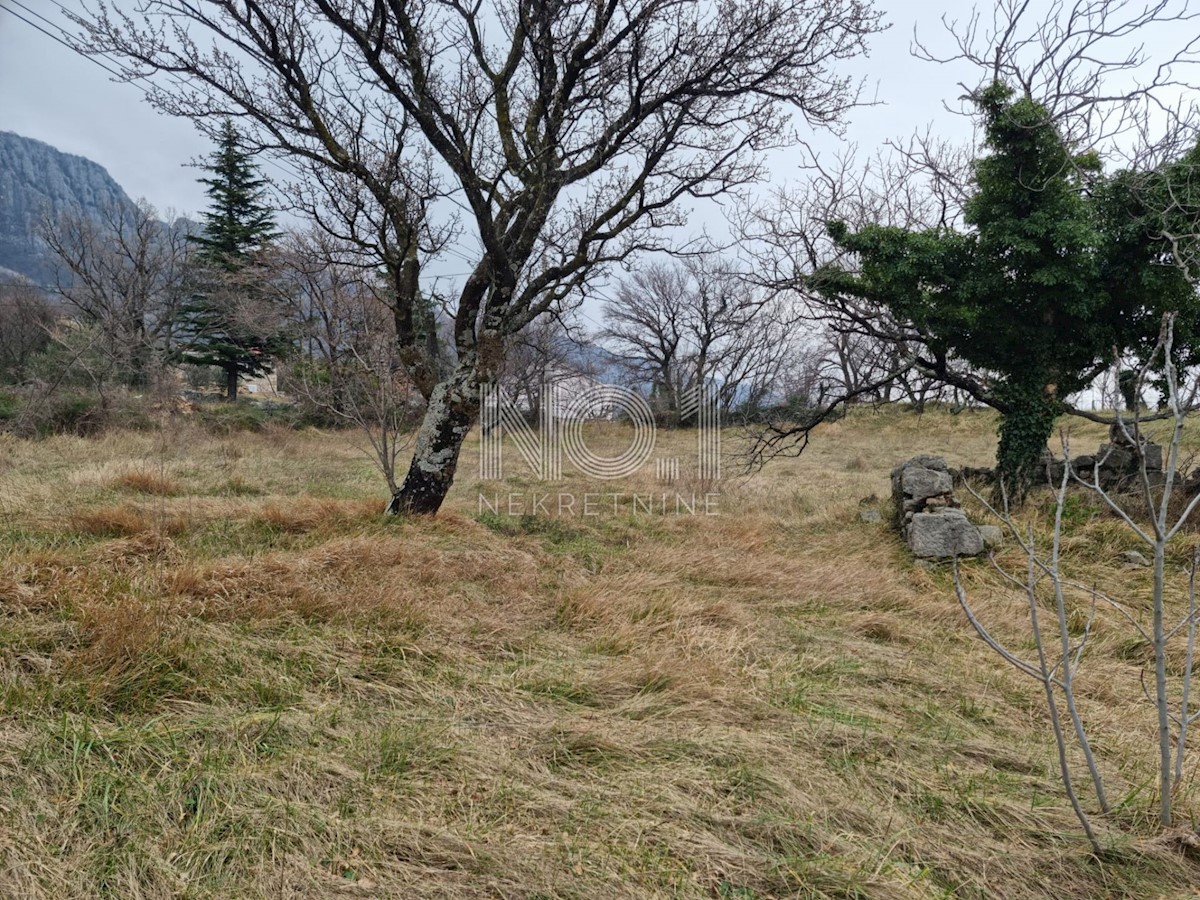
1121	465
944	534
920	483
927	512
992	536
1119	458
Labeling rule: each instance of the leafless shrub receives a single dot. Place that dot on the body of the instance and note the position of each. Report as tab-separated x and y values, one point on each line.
1060	653
26	319
348	367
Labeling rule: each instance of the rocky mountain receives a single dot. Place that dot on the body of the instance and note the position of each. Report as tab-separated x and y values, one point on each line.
35	180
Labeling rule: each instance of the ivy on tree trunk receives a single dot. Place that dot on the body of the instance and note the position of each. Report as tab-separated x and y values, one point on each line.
1025	430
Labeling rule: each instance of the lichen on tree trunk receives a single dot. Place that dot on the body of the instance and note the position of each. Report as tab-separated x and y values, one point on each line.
452	411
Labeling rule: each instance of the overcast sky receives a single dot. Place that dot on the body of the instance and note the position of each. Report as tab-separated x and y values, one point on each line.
50	93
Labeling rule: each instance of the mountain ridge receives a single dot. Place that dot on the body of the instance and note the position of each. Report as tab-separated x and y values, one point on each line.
38	179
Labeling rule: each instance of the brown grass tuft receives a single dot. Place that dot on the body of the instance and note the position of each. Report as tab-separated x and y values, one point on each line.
147	483
141	547
857	464
567	747
307	514
132	656
112	521
15	594
118	634
880	627
1184	841
125	520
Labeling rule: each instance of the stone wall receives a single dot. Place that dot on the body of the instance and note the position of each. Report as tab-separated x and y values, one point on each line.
928	515
1119	466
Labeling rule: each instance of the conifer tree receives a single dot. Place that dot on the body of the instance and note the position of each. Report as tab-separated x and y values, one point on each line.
227	323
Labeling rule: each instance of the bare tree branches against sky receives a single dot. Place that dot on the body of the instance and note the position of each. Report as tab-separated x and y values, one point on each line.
50	93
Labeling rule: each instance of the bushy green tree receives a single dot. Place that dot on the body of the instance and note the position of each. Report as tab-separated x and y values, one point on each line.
1151	220
1054	271
228	322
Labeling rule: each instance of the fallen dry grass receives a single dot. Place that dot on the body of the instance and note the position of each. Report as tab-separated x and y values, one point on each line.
224	674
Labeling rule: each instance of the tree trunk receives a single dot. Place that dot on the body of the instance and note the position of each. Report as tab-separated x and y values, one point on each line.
1025	429
231	384
453	409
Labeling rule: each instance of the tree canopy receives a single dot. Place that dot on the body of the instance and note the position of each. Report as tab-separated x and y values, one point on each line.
238	222
1056	270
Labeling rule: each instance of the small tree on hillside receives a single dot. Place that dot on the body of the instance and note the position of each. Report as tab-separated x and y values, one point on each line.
1037	293
228	322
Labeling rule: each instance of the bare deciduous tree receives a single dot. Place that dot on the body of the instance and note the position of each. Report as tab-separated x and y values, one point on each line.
676	326
646	323
122	272
26	320
566	133
861	351
332	303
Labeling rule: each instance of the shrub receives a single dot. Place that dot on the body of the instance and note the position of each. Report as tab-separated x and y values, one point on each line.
230	418
224	419
32	413
10	405
77	414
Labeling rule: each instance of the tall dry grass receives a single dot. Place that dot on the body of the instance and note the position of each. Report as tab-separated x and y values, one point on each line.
235	678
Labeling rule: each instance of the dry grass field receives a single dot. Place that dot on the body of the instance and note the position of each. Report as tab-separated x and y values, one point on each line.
224	674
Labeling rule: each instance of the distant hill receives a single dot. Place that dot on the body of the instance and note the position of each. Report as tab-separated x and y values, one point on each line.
602	364
36	179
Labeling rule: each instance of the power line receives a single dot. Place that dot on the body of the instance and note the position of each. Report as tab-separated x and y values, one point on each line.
291	172
55	37
38	15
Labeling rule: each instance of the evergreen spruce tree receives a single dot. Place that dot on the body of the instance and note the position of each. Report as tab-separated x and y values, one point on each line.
227	322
